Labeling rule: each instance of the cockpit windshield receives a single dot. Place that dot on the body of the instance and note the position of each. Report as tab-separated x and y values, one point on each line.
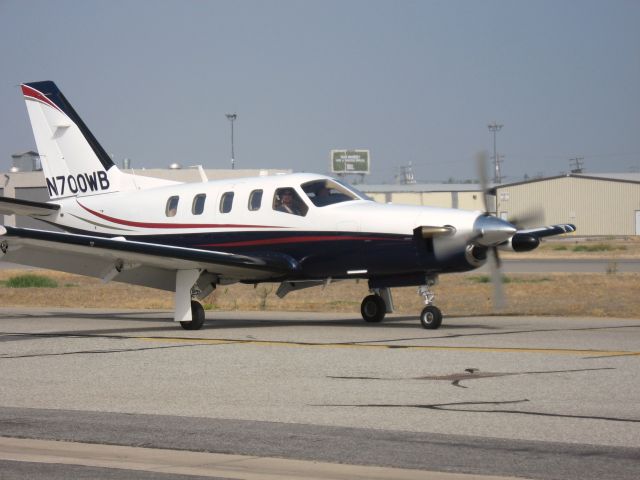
327	192
351	188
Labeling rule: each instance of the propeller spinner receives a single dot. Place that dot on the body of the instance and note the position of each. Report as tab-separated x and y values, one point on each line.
492	231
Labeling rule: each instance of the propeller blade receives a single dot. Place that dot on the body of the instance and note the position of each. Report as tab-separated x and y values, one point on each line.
481	165
529	219
495	269
496	257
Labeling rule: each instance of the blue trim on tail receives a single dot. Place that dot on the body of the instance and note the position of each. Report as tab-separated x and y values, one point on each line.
53	93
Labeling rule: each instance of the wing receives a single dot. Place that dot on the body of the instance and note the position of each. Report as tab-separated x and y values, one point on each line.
140	263
14	206
548	231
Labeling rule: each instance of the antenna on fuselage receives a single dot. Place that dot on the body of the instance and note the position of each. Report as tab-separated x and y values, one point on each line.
203	174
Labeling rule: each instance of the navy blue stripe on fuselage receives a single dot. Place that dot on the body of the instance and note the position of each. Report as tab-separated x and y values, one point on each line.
320	254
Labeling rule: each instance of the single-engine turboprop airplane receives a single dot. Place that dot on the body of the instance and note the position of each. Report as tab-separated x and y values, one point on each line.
299	230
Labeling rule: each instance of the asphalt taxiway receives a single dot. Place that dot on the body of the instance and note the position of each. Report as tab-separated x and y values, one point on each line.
280	393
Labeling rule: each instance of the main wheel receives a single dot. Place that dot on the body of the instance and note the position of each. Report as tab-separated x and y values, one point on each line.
431	317
197	317
373	308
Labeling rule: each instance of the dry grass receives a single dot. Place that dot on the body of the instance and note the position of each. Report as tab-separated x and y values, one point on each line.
602	295
610	248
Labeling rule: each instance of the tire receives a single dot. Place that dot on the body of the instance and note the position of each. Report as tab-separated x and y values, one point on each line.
197	317
373	309
431	317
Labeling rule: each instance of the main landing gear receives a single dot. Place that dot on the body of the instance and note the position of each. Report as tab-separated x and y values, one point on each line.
191	285
197	317
375	306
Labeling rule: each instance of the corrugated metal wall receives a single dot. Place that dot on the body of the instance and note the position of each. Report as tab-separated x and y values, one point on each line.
471	201
464	200
595	206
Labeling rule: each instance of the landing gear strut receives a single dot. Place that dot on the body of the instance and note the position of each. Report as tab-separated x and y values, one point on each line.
191	284
431	316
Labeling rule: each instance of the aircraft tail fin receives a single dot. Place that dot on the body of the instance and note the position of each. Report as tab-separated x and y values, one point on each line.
73	161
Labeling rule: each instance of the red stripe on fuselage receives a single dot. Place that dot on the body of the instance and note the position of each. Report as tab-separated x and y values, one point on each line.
34	94
131	223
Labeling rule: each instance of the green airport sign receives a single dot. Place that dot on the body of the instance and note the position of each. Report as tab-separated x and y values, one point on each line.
350	161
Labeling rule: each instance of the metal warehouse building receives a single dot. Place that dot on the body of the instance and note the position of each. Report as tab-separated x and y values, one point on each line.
598	204
450	195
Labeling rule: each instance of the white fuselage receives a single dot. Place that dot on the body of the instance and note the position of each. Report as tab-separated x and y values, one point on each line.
357	235
144	212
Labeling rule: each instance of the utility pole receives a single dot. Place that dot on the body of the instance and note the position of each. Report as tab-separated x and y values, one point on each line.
232	117
495	128
576	164
406	175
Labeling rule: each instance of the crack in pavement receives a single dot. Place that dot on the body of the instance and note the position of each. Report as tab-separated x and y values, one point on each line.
451	407
471	374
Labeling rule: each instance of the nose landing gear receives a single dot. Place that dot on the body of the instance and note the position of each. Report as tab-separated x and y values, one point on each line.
431	316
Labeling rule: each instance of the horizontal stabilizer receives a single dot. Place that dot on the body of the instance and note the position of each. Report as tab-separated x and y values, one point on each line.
14	206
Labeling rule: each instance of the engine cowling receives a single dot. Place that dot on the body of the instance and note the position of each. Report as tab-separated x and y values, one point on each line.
476	255
520	242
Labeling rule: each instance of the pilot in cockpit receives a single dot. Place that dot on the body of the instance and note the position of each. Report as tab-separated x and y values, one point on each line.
288	202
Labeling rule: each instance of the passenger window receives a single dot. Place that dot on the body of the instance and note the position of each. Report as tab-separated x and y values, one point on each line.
288	201
255	200
172	206
226	202
198	204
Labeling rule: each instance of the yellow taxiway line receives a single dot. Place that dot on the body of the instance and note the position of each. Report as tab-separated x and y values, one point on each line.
387	346
174	462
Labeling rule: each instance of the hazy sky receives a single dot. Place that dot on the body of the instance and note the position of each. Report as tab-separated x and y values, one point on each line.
413	81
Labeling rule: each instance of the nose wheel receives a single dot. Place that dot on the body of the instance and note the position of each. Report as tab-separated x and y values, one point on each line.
431	316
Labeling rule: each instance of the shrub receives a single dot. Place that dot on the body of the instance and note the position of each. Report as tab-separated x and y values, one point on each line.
30	280
596	247
487	279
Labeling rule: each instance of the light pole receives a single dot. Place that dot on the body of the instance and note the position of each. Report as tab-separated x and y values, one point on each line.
497	177
231	117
